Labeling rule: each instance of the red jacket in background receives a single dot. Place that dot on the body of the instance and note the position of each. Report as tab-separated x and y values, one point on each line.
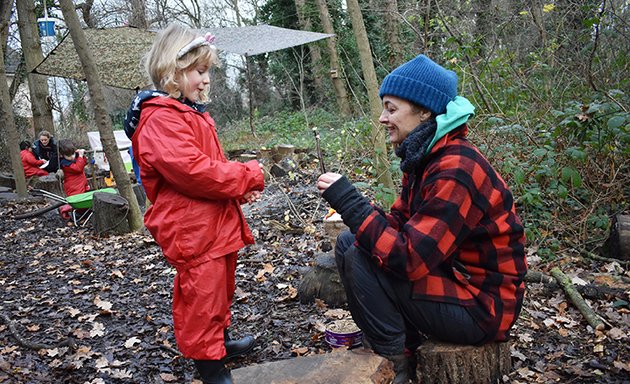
31	164
74	179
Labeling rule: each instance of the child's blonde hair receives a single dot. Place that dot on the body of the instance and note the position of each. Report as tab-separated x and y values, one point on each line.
166	71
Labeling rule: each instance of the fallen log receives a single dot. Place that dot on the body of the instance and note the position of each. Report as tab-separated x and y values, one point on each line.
569	289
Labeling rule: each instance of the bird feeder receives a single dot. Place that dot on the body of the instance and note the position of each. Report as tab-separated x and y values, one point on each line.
46	27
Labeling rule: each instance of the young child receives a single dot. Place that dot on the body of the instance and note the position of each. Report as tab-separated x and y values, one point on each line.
29	162
196	194
72	164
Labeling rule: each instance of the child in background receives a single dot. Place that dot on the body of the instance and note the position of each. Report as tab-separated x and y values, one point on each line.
72	164
196	193
29	162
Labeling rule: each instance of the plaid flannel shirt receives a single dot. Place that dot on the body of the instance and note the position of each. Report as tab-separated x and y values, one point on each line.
455	234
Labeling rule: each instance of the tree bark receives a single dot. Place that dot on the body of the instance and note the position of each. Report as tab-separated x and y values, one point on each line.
32	49
336	74
138	17
10	130
316	56
6	7
440	363
103	121
384	176
392	33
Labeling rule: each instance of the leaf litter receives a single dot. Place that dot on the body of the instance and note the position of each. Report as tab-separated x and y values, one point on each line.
112	296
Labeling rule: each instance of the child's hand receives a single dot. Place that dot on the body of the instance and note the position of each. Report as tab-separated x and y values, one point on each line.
251	197
81	152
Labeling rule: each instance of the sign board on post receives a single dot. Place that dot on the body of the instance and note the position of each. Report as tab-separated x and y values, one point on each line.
123	143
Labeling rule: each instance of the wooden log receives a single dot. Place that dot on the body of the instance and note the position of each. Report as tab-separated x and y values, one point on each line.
618	243
591	317
110	213
322	282
444	363
245	157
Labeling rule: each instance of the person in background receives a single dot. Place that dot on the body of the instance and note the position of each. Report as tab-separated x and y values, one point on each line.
73	164
196	194
29	162
448	260
45	148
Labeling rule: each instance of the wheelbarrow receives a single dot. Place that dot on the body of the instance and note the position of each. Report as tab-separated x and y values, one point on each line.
78	207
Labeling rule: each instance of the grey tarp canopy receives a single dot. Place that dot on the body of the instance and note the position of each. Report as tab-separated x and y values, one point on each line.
118	51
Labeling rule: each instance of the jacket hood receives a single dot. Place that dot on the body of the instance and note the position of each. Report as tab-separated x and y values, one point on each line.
133	114
132	118
458	111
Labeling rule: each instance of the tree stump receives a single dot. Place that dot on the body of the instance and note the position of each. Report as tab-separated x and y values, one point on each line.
444	363
110	213
7	180
333	226
49	183
141	196
282	151
618	243
322	281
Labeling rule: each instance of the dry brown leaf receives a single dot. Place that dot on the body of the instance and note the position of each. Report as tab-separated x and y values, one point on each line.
167	377
131	342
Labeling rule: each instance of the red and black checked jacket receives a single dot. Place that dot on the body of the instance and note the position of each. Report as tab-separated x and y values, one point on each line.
455	234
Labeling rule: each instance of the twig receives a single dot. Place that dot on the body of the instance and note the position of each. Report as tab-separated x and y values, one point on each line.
322	167
69	342
591	317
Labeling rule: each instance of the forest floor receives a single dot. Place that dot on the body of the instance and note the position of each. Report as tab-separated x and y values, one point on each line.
101	306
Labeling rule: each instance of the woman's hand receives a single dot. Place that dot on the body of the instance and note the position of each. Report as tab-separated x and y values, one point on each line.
326	180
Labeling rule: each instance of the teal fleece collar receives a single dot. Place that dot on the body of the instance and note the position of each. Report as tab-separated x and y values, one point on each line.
458	111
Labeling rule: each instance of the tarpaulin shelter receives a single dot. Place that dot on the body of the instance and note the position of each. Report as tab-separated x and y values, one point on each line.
118	51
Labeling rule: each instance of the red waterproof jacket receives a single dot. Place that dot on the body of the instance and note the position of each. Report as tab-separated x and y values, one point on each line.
195	191
31	164
74	179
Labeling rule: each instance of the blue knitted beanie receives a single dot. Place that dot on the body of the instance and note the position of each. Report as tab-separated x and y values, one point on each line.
423	82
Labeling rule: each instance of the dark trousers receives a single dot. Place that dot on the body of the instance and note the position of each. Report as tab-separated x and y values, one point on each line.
381	305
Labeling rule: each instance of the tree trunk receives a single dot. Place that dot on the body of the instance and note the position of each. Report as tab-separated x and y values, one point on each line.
392	33
336	74
10	131
6	6
103	121
384	176
32	49
316	56
138	17
483	24
110	213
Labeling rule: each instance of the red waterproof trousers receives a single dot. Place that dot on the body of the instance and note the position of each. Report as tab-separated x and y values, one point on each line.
202	296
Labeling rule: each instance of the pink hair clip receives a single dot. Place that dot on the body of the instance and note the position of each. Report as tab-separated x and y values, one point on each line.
209	37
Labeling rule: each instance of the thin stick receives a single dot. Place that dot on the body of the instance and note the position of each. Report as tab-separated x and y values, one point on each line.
322	167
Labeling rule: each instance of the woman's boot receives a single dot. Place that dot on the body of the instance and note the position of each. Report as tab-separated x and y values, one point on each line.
213	372
402	368
238	347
